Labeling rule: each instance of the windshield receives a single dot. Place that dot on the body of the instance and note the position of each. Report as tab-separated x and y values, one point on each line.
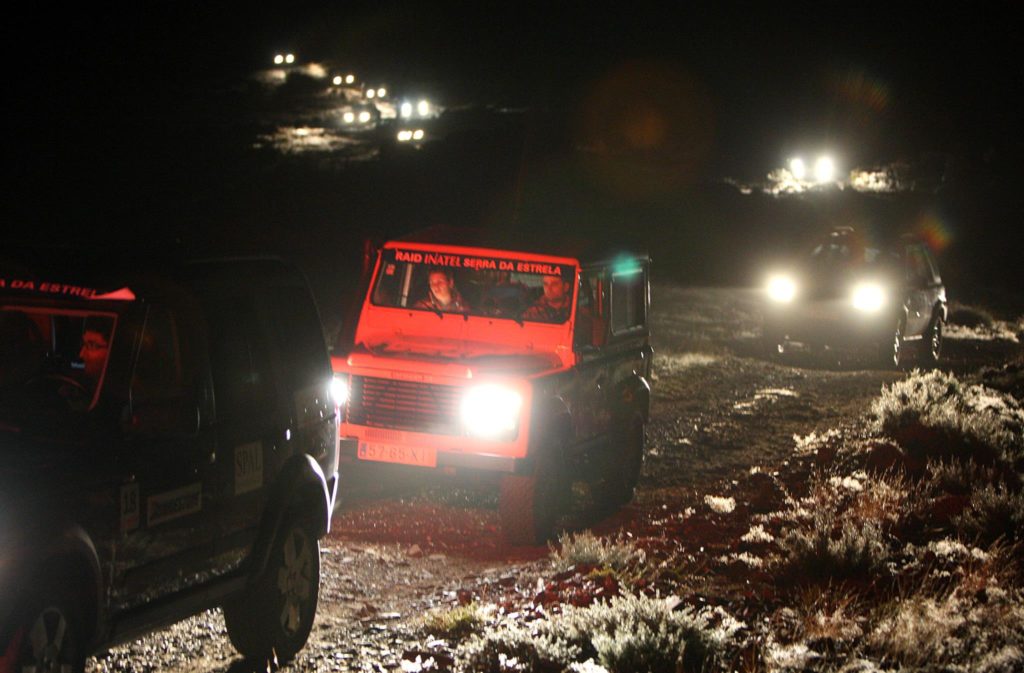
475	285
52	355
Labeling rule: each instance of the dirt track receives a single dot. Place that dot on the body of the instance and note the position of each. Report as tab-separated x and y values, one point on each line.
719	409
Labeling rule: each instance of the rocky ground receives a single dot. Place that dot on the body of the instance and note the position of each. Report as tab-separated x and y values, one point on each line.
720	412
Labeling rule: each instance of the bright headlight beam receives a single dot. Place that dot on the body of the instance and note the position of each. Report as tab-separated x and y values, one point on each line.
339	390
868	297
797	168
824	169
781	289
406	110
491	410
423	108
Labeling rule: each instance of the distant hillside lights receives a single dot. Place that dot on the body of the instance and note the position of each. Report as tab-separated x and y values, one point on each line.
798	177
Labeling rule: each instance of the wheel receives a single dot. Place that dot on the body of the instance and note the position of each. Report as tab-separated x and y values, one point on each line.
891	353
51	637
932	344
625	468
275	614
529	505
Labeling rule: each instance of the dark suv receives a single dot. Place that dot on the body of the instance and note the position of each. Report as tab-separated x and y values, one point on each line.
168	444
529	363
849	294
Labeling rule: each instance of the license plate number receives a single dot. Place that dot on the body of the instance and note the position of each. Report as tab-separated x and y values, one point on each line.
391	453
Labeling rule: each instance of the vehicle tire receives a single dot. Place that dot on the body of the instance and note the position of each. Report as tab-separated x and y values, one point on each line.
51	638
275	614
931	345
892	353
530	505
628	463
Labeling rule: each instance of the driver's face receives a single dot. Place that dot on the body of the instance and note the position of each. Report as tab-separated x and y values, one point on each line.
93	353
441	287
555	289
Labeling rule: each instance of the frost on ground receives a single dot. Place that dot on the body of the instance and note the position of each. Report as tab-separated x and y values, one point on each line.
863	565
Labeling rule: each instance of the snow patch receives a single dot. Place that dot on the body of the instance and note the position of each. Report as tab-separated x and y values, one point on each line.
721	505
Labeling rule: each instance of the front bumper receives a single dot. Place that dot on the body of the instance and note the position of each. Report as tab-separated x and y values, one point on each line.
828	322
447	461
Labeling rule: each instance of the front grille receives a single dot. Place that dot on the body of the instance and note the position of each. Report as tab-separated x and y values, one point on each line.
404	405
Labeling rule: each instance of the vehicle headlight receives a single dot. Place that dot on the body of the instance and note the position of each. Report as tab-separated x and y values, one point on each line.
405	110
781	289
339	390
491	410
349	117
364	117
868	297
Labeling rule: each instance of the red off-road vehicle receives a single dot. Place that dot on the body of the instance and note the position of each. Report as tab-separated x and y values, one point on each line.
526	362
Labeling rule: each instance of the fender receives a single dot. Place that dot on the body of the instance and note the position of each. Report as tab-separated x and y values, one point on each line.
634	396
301	483
551	415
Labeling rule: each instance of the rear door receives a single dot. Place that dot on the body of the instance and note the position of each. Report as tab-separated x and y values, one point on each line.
252	432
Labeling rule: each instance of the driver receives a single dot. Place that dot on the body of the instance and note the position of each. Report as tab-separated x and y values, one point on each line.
442	294
554	304
94	350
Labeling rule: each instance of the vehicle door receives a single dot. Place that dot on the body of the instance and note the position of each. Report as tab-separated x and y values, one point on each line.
591	376
167	512
251	432
920	289
628	349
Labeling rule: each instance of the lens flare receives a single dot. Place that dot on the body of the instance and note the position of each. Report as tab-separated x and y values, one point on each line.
935	232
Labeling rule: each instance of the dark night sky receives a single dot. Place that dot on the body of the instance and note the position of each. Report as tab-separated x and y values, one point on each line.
937	76
876	82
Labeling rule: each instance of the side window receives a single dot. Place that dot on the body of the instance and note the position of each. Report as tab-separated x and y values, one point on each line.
591	314
240	362
298	335
919	272
629	300
158	373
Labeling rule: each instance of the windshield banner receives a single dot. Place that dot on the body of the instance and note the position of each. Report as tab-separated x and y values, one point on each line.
477	263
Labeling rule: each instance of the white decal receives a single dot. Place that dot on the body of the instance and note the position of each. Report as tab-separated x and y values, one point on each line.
248	467
129	507
174	504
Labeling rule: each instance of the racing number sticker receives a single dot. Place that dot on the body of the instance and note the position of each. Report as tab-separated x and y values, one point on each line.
248	467
129	507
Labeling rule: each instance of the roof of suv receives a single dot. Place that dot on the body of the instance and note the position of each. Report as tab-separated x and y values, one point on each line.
586	251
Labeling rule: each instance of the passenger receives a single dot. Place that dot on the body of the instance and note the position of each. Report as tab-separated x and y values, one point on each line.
442	294
553	305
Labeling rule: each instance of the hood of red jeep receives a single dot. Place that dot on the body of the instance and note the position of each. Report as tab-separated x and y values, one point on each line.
459	357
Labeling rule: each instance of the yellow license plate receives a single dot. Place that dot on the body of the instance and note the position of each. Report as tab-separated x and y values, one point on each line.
391	453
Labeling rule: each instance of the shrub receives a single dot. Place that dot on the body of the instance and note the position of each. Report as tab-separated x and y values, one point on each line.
455	623
587	549
829	548
994	512
626	635
957	632
959	477
934	415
